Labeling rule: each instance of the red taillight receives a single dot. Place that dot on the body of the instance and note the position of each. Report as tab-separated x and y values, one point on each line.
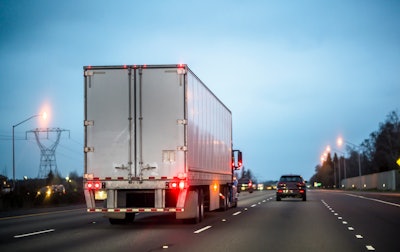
89	185
97	185
301	191
300	184
181	184
280	191
93	185
281	184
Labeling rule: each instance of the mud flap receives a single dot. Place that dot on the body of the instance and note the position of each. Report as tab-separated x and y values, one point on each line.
191	209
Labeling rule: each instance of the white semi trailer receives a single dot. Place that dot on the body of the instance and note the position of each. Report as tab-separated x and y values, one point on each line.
156	140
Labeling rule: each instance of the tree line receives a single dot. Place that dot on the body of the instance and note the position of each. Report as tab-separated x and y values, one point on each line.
378	153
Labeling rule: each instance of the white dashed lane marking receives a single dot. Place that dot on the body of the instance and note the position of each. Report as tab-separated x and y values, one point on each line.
34	233
202	229
350	228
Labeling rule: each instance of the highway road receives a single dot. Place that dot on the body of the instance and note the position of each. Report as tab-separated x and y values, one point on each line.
327	221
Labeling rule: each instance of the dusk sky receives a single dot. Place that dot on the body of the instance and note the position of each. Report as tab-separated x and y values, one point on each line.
295	74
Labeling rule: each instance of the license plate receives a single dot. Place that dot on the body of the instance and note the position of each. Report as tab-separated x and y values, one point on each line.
100	195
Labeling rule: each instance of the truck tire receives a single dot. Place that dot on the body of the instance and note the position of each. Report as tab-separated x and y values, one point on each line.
225	201
129	218
116	221
201	205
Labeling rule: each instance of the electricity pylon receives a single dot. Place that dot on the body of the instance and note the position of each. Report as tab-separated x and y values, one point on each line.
47	153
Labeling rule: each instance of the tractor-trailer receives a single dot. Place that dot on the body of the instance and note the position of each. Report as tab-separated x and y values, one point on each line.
156	139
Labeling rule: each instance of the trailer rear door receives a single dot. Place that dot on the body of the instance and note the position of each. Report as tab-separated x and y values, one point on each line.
107	125
160	121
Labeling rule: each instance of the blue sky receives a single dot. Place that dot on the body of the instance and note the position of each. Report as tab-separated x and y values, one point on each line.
295	74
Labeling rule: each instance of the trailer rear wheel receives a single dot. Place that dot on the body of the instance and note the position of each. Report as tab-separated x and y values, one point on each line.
116	221
201	205
224	202
129	218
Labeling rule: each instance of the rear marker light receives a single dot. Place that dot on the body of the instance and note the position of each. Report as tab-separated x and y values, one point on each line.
215	187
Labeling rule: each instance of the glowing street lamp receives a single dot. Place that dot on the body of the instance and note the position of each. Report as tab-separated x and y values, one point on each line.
44	116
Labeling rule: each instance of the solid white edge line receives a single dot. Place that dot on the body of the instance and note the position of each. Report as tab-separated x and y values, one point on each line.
34	233
377	200
202	229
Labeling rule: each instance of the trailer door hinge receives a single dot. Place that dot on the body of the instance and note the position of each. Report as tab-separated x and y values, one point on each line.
88	73
89	149
89	123
181	148
181	71
181	121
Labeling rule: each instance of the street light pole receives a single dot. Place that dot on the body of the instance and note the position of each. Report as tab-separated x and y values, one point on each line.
13	143
344	161
358	152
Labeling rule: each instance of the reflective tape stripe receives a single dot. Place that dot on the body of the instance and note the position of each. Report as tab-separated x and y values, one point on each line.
132	210
135	178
